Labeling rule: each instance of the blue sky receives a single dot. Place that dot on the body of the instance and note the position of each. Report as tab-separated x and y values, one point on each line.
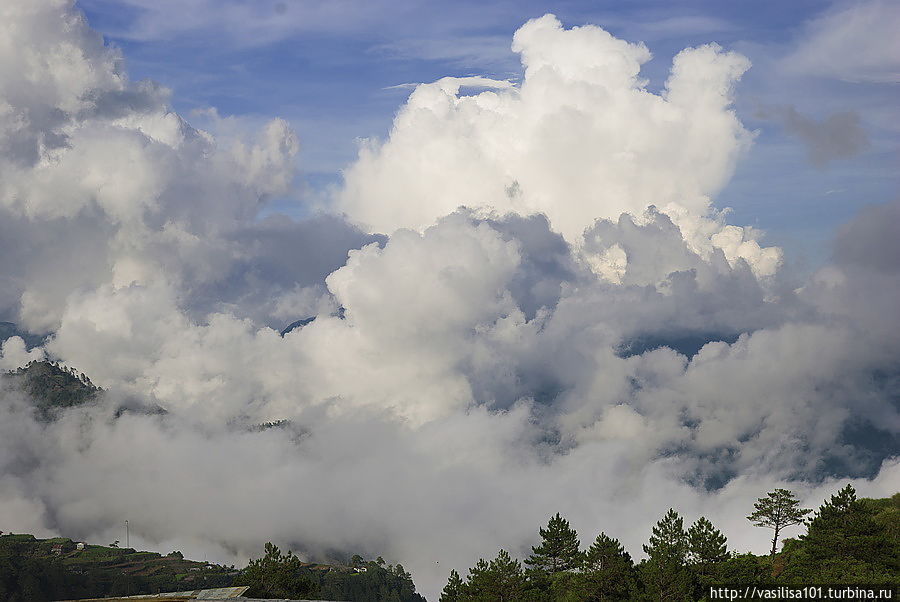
331	68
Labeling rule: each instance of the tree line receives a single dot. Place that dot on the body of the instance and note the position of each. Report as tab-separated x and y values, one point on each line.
279	575
848	540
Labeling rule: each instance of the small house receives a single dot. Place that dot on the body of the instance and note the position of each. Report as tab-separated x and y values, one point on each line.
80	546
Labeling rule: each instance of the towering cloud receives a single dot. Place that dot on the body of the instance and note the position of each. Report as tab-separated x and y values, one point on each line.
588	330
581	138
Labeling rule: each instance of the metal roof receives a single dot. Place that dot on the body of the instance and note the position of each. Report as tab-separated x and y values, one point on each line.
220	593
198	595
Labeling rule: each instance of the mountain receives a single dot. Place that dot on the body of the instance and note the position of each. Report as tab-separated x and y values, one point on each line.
297	324
304	321
52	387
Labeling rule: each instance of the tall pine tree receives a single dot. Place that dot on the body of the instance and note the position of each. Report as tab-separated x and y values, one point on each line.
779	509
501	580
607	571
706	546
665	572
508	580
707	553
559	548
453	591
477	582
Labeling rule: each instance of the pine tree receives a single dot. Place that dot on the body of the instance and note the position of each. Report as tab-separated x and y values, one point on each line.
559	548
779	509
453	591
707	553
666	574
276	575
399	571
477	581
608	570
839	507
669	541
706	545
501	580
843	537
508	578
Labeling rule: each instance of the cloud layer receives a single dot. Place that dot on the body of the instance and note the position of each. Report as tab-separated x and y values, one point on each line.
588	330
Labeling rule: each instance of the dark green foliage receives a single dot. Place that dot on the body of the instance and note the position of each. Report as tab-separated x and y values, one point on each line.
453	591
373	583
746	569
842	527
564	586
665	573
779	509
558	550
52	387
886	512
706	546
507	578
28	578
30	569
668	543
607	572
276	575
477	576
500	580
849	540
707	551
846	542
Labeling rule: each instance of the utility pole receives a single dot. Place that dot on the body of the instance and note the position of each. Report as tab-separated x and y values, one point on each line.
127	543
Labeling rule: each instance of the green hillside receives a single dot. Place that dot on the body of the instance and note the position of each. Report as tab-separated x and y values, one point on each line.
52	387
37	570
44	569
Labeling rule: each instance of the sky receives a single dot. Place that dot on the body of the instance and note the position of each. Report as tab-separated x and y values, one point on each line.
575	258
337	71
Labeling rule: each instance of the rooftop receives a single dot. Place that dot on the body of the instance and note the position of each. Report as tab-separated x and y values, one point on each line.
222	593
